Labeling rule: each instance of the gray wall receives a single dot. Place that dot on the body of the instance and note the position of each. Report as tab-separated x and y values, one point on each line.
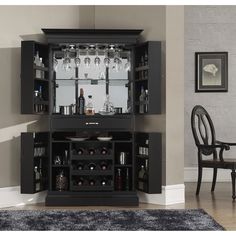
17	23
210	28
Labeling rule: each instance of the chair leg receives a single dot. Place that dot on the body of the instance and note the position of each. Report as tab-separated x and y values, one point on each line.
233	176
214	180
199	180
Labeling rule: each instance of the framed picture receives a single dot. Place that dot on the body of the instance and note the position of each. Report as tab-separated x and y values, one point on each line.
211	72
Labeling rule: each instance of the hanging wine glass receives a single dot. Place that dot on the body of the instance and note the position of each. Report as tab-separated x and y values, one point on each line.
117	61
128	64
77	59
87	59
66	63
55	63
106	59
97	60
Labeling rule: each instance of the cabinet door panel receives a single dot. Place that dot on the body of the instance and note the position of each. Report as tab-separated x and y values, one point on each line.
148	153
34	78
148	77
34	162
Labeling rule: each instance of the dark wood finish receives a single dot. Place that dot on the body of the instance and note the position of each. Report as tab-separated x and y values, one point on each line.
28	161
154	157
28	70
117	122
153	80
92	35
205	140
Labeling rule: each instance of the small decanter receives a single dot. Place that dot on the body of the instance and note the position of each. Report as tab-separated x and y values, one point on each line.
90	108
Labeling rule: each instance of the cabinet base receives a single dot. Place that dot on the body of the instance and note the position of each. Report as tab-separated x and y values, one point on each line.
92	200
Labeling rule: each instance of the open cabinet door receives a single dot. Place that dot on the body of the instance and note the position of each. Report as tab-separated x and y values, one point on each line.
148	156
34	162
34	78
147	78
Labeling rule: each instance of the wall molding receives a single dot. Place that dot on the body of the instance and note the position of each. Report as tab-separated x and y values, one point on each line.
191	175
11	197
171	194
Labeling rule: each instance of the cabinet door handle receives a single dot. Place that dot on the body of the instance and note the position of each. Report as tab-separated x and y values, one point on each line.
92	123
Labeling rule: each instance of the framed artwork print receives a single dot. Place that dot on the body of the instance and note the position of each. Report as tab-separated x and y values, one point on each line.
211	72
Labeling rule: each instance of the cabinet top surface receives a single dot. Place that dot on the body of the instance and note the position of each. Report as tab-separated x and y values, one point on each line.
92	31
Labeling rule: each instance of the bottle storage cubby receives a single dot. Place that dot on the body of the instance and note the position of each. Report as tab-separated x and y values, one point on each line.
148	154
34	162
147	82
35	78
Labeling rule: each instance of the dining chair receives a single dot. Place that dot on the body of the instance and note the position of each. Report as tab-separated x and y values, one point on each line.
210	150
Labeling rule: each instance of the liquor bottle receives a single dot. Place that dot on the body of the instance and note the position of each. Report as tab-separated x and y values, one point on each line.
145	58
91	182
92	166
40	98
90	108
42	74
103	166
145	175
118	180
81	102
37	174
141	172
127	180
91	151
146	101
104	151
141	100
37	63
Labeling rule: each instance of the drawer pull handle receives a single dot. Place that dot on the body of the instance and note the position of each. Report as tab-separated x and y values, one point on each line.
92	123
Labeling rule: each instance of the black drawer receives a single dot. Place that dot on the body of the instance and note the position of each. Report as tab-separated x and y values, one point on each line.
93	122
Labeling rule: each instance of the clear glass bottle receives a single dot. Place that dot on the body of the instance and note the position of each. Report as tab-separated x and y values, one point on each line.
146	101
141	172
89	107
141	100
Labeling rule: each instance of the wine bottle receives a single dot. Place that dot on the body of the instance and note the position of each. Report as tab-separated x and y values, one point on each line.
119	180
141	100
80	182
80	166
91	151
127	180
92	166
91	182
104	151
81	102
104	182
103	166
80	151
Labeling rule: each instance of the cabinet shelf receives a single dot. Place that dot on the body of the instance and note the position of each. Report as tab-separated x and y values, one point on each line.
140	68
91	172
124	166
41	103
142	156
91	157
40	68
41	79
91	188
60	166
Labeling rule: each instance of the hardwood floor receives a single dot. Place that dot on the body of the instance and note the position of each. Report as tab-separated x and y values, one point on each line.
219	204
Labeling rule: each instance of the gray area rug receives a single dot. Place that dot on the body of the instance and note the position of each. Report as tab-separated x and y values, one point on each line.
196	219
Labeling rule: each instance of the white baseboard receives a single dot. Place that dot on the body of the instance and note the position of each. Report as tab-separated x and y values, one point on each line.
191	175
11	196
171	194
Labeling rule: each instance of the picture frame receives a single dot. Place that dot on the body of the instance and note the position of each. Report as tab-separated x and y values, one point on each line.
211	72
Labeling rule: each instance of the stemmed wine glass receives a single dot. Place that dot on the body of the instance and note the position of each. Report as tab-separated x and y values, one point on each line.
87	59
55	63
66	63
128	64
77	59
97	60
117	61
106	59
